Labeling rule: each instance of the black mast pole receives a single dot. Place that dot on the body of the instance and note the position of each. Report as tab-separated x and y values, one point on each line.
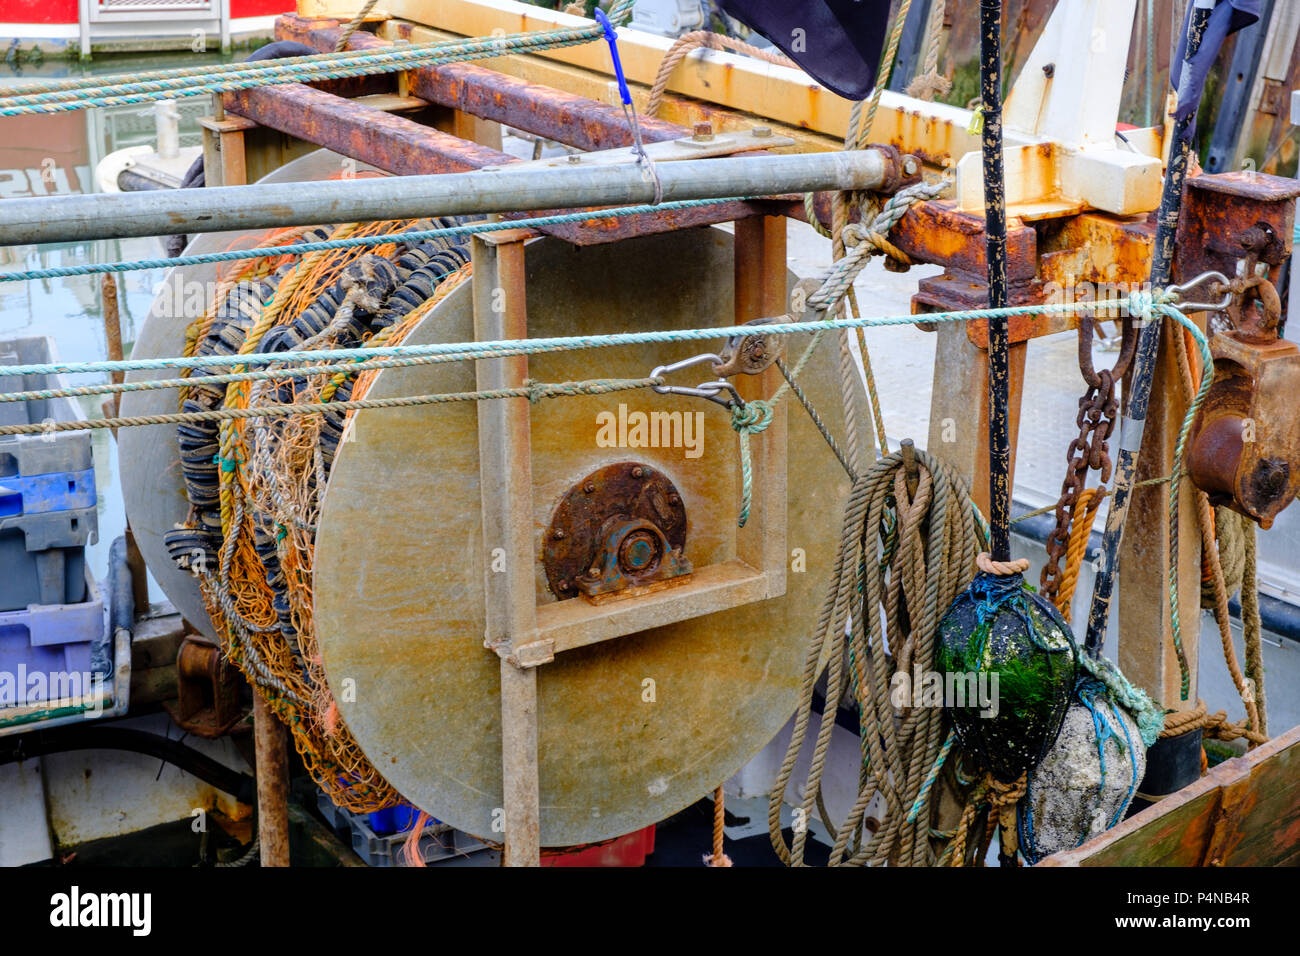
995	228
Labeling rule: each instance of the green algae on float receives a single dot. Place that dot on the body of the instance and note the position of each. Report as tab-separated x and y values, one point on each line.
1000	627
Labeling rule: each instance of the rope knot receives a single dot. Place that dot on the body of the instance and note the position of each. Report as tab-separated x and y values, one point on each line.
749	419
1141	304
984	561
752	417
536	391
1006	794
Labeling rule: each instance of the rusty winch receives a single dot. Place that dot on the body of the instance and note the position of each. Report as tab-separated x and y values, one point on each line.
1245	442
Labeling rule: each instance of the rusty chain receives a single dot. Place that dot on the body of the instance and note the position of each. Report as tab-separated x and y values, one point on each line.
1090	451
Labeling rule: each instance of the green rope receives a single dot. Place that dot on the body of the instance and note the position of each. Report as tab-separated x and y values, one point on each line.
749	419
1140	305
533	391
931	777
1175	487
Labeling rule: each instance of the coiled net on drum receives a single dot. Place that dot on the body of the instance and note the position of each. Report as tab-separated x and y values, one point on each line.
253	484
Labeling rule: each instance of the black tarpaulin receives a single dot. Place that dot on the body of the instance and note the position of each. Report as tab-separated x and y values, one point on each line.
837	42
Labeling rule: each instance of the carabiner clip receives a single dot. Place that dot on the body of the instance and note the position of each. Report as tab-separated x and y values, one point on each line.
709	390
1219	279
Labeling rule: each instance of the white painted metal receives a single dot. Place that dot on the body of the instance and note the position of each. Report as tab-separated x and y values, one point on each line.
1068	95
670	18
121	20
24	830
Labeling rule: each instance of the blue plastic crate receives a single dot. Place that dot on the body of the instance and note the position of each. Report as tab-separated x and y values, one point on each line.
396	819
48	651
41	494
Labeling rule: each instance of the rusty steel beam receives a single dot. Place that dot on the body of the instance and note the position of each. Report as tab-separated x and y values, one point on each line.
562	117
391	143
541	110
576	121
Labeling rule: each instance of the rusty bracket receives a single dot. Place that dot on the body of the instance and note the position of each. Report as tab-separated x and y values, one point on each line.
620	528
208	689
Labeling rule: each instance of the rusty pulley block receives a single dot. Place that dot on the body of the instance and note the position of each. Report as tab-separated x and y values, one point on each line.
1245	442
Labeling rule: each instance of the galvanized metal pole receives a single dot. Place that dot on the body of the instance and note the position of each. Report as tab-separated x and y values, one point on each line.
501	189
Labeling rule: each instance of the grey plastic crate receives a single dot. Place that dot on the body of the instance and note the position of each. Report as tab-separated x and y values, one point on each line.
38	454
43	557
23	455
34	350
439	843
73	528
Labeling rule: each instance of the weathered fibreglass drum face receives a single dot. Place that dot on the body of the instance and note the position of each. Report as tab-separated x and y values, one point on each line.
630	730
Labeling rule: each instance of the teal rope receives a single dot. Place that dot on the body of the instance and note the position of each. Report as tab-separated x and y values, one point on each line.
533	391
1175	485
931	777
749	419
1150	716
255	375
161	85
464	351
325	245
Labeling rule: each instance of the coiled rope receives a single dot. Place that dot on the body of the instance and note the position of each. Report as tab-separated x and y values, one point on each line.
911	573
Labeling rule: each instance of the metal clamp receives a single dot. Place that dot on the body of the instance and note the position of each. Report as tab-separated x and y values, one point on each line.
1220	283
710	390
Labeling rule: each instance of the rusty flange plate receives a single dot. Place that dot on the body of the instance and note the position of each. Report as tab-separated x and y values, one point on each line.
629	488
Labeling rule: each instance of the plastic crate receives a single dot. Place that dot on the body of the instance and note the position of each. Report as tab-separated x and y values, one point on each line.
40	494
43	557
57	641
438	842
39	350
629	850
25	456
391	820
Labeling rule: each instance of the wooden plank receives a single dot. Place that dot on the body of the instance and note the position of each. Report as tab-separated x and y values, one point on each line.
959	423
506	483
566	625
682	110
500	312
760	291
1146	649
1244	812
